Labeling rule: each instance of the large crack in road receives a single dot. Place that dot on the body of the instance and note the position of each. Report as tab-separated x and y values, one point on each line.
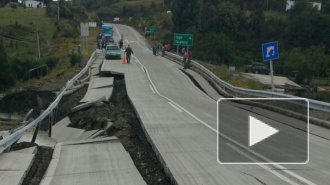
125	125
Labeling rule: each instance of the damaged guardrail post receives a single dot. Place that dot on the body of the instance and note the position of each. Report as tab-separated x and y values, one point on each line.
35	134
36	131
50	124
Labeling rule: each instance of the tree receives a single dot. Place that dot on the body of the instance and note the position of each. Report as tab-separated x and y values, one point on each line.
216	48
315	30
124	11
207	12
153	5
11	44
277	5
6	76
227	19
185	15
316	59
300	7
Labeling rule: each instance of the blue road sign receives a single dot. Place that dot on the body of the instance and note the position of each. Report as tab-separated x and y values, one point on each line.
270	51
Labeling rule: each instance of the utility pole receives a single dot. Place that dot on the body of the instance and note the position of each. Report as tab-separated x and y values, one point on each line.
58	11
38	42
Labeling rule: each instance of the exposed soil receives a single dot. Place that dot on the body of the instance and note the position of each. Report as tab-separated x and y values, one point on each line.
22	145
39	167
22	102
40	164
127	127
70	101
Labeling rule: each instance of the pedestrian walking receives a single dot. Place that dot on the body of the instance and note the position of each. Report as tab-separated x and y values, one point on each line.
128	52
163	51
121	43
154	49
98	40
79	55
184	58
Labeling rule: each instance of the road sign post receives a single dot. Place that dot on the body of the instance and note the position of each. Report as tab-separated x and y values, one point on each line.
271	74
84	32
270	53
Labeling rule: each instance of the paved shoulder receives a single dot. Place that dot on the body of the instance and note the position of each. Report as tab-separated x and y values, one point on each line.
14	166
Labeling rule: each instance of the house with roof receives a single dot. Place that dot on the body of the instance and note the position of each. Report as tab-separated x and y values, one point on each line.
33	4
290	4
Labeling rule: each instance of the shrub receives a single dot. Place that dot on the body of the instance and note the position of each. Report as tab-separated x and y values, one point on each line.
74	59
51	61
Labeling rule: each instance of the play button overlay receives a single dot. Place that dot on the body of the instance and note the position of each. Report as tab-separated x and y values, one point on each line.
263	131
259	131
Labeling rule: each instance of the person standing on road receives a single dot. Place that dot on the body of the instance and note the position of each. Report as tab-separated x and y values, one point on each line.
184	58
128	52
121	43
79	55
163	51
154	49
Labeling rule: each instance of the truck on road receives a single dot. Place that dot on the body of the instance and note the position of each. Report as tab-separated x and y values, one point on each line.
107	35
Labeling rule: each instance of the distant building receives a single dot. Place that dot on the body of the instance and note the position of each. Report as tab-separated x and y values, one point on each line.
33	4
11	4
290	4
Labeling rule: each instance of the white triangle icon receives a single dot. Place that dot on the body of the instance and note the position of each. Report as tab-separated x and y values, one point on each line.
259	131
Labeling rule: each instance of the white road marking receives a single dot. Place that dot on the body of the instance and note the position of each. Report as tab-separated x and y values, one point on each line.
152	89
141	68
294	175
142	46
284	178
117	31
225	136
134	33
175	107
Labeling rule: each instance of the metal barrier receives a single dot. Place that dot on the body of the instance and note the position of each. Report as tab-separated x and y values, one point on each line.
314	104
11	139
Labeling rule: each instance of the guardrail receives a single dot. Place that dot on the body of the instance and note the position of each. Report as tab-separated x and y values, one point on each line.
11	139
314	104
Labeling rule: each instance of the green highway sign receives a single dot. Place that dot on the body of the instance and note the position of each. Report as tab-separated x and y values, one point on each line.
153	30
183	39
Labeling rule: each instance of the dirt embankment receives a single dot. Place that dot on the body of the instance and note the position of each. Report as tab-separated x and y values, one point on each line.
21	103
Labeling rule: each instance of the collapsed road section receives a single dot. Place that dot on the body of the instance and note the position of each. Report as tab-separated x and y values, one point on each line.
118	118
121	133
